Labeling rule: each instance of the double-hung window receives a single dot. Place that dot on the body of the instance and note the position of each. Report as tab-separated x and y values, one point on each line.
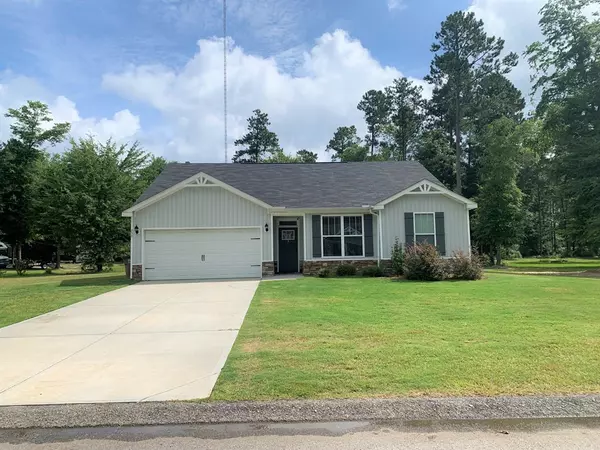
425	228
342	236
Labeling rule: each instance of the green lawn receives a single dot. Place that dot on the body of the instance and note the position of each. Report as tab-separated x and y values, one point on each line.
328	338
37	293
554	264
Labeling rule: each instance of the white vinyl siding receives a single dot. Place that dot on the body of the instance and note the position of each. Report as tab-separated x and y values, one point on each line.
202	254
201	207
456	224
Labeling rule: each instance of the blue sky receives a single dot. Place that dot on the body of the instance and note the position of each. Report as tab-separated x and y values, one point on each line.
149	69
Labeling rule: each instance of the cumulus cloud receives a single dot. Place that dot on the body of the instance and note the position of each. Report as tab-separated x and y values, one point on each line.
16	90
305	108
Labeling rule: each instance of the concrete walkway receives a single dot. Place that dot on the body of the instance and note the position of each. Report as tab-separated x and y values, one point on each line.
146	342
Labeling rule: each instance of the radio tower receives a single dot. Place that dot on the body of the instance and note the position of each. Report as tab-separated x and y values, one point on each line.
225	74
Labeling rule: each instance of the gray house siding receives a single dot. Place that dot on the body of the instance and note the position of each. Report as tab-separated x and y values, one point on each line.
199	207
456	221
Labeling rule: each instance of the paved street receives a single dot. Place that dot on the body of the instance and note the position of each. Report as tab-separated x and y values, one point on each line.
357	436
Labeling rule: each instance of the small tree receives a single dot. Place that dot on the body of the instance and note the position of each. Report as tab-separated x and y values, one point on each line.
397	258
258	141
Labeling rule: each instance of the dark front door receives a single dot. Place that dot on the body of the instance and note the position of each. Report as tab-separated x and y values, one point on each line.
288	250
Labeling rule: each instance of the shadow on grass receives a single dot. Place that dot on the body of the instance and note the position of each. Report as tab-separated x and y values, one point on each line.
117	280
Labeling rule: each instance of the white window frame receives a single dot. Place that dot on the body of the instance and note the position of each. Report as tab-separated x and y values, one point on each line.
342	236
415	214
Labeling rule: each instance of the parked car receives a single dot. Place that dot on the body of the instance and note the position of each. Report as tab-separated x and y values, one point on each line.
4	261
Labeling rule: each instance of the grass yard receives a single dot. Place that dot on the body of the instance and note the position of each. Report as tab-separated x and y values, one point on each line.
332	338
559	265
38	293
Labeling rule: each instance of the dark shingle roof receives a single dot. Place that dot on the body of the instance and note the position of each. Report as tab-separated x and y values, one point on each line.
320	185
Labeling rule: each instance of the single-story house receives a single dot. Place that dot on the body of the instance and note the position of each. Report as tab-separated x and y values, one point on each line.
204	221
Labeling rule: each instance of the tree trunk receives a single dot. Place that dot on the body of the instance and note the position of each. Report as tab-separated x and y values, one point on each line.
99	267
498	256
458	118
19	250
372	143
58	256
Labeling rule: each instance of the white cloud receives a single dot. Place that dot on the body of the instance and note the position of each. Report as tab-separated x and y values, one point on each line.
16	90
122	126
396	5
304	108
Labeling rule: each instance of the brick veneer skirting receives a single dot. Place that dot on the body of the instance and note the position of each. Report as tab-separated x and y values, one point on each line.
312	268
136	272
268	269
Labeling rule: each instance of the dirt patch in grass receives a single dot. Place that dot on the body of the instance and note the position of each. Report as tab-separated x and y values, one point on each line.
259	345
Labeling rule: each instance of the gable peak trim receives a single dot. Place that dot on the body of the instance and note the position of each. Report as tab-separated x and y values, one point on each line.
428	187
201	179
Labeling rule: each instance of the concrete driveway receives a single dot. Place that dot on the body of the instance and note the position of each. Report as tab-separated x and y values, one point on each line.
149	341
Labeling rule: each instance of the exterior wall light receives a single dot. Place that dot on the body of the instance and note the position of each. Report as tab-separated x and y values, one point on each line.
137	230
266	227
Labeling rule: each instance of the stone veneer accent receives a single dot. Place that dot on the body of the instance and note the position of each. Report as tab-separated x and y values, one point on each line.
136	272
268	269
312	268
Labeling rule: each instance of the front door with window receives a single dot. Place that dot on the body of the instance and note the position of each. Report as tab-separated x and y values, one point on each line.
288	250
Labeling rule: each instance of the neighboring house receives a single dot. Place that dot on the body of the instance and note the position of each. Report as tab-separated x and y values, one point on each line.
201	221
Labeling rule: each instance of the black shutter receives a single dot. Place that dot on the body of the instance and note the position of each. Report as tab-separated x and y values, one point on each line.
440	233
316	236
369	235
409	229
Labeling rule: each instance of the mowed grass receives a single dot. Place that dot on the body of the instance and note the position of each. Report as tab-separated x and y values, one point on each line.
341	338
38	293
559	264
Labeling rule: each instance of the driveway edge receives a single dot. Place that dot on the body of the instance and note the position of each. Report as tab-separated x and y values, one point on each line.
398	409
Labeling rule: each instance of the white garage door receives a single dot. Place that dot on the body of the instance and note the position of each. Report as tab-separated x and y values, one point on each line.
202	254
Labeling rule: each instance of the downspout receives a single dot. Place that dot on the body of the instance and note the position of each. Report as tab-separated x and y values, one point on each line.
379	237
131	245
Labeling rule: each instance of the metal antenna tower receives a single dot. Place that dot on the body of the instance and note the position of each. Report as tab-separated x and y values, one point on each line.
225	74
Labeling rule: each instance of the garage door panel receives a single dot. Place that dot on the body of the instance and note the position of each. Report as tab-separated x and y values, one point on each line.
177	254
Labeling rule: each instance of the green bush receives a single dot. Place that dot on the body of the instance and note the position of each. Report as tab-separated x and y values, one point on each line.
2	272
510	252
48	270
346	270
324	273
464	267
372	271
422	262
397	258
22	265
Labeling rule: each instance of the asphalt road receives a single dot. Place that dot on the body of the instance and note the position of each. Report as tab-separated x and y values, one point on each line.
497	435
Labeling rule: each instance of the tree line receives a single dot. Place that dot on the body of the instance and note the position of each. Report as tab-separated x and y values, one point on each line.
534	173
72	200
